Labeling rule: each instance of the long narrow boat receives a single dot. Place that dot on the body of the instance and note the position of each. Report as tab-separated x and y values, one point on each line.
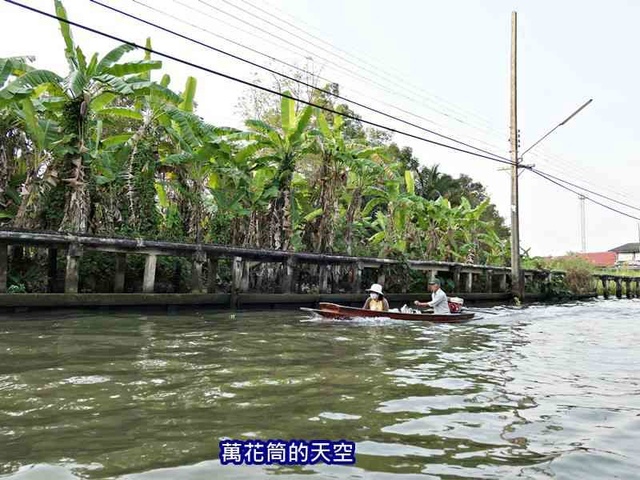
332	310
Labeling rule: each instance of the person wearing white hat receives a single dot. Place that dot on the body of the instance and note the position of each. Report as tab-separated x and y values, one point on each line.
376	300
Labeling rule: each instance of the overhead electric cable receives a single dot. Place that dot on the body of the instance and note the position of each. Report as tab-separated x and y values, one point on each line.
585	189
247	83
349	72
288	77
545	176
585	197
302	70
378	71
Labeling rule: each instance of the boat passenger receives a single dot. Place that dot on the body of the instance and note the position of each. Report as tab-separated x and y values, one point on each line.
376	300
438	301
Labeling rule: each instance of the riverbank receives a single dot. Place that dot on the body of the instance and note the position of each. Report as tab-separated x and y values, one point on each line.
227	277
251	301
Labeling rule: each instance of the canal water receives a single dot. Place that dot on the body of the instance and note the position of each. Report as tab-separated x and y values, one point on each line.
541	392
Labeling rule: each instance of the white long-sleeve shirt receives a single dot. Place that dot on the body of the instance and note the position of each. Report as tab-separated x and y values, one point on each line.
439	302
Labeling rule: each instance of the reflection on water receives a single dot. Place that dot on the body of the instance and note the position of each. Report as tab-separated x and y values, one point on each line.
541	392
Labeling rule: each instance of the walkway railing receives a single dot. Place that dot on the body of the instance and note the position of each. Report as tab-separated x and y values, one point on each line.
242	260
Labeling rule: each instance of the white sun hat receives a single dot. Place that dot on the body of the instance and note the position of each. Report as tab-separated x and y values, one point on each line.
376	288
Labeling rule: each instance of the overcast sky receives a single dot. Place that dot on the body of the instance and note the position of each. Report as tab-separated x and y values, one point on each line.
445	62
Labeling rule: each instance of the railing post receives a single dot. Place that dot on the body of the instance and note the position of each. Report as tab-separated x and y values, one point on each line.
323	279
149	280
456	279
290	276
503	283
356	287
196	272
489	280
335	278
246	276
381	277
52	269
236	280
468	285
121	268
548	282
212	268
74	253
4	266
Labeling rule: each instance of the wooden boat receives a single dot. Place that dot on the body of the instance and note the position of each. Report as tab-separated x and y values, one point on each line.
332	310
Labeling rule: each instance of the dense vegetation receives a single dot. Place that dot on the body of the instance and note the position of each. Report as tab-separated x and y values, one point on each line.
578	278
108	150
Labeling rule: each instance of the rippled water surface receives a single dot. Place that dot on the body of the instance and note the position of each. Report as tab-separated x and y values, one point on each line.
543	392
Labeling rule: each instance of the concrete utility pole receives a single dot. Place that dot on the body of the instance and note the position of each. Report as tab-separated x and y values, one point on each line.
517	287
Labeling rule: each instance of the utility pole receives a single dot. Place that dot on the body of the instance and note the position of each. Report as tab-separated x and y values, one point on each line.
583	224
517	287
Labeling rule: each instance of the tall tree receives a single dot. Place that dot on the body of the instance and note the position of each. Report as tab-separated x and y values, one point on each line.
282	146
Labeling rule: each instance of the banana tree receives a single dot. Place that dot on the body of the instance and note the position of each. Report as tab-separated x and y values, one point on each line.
45	142
195	155
281	146
474	231
494	250
193	168
13	144
336	156
155	105
89	85
364	168
394	206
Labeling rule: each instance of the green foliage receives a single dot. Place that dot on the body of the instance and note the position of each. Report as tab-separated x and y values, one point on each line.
105	148
146	214
20	288
27	272
579	274
96	272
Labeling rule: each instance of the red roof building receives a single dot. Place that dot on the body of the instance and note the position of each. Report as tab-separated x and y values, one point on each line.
600	259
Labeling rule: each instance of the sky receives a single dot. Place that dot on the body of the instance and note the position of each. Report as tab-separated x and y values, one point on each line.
442	65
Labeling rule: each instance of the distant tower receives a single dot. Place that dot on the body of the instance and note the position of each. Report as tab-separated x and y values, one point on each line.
583	231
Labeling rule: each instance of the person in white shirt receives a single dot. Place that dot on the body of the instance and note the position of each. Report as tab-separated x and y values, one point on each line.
438	302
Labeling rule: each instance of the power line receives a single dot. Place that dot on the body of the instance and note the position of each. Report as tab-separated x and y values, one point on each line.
271	34
349	72
226	39
249	84
585	189
360	59
268	22
321	107
554	160
568	171
288	77
580	194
